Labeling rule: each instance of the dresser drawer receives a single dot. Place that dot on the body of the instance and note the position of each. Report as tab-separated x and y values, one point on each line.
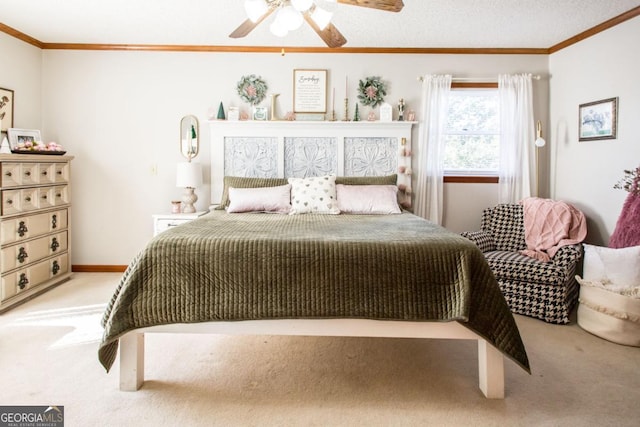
11	202
28	226
15	174
26	253
60	195
61	171
29	199
11	175
29	173
21	280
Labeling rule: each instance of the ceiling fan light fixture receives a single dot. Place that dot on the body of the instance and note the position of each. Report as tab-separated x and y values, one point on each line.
255	9
277	29
321	17
301	5
289	18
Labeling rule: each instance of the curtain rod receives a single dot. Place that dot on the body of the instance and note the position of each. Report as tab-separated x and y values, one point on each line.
480	79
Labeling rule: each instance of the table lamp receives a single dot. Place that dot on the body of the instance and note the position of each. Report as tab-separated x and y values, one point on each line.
189	176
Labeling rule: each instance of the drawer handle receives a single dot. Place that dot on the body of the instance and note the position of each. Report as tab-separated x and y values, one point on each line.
22	255
9	202
55	268
22	229
44	173
54	221
8	174
23	282
28	198
54	244
44	197
28	173
59	172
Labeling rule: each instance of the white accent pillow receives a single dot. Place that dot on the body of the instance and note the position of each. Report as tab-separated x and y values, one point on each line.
265	199
368	199
618	267
314	195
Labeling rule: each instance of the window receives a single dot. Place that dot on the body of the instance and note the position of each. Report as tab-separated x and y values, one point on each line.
472	134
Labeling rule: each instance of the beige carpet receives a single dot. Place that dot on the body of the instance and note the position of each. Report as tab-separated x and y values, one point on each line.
48	355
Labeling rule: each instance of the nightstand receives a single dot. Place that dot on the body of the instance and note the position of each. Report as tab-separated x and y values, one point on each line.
163	222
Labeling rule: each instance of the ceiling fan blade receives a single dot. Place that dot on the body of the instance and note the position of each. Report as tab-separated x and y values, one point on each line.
387	5
248	25
330	34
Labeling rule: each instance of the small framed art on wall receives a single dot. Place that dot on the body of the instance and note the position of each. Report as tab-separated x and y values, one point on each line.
598	120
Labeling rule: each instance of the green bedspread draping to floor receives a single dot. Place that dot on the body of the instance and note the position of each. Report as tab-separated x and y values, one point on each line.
230	267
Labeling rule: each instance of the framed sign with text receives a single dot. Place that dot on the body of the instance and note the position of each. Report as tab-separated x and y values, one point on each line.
310	91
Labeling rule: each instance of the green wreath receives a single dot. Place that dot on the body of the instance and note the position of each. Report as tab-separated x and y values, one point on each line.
252	89
371	91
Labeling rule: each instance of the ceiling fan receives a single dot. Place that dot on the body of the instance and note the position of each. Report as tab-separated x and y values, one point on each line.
291	13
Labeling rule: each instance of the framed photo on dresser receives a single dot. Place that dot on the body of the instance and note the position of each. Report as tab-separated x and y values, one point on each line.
22	137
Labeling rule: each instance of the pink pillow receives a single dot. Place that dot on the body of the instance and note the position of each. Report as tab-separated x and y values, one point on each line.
265	199
368	199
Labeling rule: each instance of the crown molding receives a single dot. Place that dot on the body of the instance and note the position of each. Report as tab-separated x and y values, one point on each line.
630	14
20	35
293	49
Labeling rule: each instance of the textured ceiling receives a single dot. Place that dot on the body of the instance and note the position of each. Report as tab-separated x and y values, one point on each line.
421	24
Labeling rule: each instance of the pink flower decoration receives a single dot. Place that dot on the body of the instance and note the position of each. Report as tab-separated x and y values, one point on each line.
371	92
251	91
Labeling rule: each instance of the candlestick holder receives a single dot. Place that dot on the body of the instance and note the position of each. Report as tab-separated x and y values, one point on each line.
332	116
346	110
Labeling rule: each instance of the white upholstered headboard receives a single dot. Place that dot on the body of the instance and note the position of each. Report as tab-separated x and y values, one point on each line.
271	149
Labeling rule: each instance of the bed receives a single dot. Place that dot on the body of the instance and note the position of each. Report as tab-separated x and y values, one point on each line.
362	275
354	274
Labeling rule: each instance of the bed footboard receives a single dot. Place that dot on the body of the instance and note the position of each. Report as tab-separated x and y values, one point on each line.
490	360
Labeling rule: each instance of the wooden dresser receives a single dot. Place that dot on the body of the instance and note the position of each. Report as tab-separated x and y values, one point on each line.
34	225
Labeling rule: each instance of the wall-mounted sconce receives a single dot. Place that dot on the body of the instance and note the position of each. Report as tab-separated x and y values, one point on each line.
539	143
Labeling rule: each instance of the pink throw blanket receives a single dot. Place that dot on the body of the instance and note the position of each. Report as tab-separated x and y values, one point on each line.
549	225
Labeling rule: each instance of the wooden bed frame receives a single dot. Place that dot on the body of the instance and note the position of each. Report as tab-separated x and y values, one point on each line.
490	360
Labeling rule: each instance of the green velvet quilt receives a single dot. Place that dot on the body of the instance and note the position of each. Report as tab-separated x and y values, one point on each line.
267	266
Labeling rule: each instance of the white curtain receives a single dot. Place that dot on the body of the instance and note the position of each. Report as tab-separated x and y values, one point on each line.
516	137
434	106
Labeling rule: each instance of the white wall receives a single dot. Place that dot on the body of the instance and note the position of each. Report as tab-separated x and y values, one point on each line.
119	113
21	71
603	66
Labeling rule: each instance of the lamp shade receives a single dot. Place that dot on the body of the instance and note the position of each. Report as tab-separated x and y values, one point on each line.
255	9
189	174
321	17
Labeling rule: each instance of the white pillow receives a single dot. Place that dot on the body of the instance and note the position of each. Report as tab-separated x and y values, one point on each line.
314	195
619	267
265	199
368	199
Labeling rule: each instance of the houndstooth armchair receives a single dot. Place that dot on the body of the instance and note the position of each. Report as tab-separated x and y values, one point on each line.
545	290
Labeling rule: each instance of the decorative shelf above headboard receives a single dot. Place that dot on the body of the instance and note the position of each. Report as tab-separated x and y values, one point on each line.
309	148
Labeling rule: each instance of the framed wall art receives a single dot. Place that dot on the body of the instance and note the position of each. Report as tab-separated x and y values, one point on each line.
598	120
310	91
6	109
